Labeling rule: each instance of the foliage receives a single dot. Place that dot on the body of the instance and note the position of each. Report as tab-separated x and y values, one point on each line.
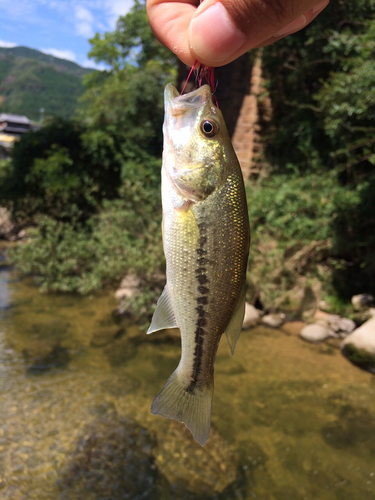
347	102
31	80
124	237
305	230
55	172
92	186
126	101
5	169
321	81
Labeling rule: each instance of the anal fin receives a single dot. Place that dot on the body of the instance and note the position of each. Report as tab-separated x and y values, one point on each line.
163	316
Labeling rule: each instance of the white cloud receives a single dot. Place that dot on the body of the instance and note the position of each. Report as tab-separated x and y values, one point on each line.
84	21
88	63
62	54
7	45
117	8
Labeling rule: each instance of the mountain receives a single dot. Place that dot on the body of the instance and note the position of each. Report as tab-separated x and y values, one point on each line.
31	80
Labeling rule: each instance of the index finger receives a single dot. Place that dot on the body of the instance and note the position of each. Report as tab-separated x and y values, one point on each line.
169	21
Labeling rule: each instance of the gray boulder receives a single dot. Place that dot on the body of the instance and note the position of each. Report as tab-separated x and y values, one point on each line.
359	346
316	332
362	301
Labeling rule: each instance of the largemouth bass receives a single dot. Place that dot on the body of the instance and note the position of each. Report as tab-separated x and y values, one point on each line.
206	240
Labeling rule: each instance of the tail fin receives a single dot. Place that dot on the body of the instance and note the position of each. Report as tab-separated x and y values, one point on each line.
191	406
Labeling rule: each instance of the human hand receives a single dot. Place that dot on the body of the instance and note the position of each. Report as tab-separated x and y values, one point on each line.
217	32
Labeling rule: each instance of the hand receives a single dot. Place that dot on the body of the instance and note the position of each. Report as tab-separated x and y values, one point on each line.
217	32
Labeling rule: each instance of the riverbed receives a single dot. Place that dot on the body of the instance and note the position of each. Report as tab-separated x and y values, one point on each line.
294	420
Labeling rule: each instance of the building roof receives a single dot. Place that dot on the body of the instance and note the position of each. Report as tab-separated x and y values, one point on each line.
5	117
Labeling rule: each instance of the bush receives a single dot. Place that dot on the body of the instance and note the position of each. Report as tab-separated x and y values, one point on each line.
124	237
307	229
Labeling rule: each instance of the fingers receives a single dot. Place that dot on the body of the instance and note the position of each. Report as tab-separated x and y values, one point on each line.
215	33
169	20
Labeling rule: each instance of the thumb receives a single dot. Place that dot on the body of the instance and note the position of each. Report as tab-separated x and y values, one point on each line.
221	31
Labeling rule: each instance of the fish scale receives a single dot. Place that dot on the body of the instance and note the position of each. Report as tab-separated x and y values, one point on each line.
206	242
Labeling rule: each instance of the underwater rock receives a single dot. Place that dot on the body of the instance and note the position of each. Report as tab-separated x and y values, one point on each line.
188	466
359	346
252	316
112	460
42	355
105	335
120	351
316	332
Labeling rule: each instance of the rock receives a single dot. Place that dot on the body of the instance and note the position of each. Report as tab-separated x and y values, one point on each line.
362	301
252	316
273	320
112	459
128	286
324	306
308	304
120	350
333	320
316	332
42	355
187	466
105	335
346	325
363	337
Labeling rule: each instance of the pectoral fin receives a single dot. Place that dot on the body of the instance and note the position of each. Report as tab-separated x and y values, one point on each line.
235	325
163	316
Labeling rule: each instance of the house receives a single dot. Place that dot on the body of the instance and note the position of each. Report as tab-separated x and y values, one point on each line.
14	124
11	129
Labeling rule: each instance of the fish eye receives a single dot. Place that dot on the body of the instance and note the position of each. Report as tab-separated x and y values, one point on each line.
209	128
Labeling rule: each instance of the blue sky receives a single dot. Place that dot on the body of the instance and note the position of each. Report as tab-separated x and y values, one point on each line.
58	27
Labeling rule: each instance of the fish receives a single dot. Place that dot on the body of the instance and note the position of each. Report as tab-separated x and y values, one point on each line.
206	238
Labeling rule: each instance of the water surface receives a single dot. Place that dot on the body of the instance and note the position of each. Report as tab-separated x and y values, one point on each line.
76	384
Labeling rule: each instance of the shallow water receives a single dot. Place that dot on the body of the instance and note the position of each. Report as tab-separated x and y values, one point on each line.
76	384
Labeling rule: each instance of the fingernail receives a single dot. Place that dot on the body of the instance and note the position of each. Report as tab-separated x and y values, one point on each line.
295	25
212	35
319	7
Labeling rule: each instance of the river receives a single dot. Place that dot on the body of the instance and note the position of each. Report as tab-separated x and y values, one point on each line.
290	420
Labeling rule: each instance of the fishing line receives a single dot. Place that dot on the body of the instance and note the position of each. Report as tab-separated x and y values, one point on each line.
203	72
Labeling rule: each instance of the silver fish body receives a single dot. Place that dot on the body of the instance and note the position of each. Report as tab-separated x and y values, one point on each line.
206	243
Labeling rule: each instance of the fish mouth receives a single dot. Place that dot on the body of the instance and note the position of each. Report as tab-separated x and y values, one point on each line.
175	103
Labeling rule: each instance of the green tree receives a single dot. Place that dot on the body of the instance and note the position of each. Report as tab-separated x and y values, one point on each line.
309	74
